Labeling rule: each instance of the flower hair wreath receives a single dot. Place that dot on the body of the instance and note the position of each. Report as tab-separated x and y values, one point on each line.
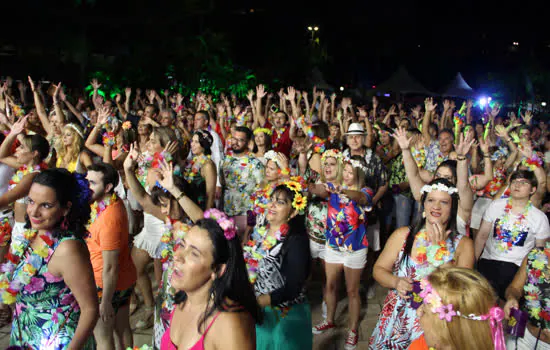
356	164
438	187
264	130
331	153
300	201
446	312
272	155
227	224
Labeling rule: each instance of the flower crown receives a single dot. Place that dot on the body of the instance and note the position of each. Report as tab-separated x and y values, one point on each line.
264	130
272	155
438	187
433	301
127	125
501	152
227	224
331	153
300	201
76	129
355	164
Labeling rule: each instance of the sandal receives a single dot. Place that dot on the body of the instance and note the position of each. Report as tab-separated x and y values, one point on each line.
147	320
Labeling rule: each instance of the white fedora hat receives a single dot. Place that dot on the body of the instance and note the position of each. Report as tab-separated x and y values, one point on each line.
356	129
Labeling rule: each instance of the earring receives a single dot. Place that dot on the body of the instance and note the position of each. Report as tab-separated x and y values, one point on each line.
65	223
423	215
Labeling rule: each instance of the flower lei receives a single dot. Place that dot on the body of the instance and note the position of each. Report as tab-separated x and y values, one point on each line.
496	183
256	249
24	170
278	133
419	156
194	167
532	163
127	125
429	256
438	187
318	143
538	274
260	198
11	282
171	239
5	232
510	230
109	138
100	207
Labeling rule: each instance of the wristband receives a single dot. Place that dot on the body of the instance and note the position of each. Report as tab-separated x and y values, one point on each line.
180	196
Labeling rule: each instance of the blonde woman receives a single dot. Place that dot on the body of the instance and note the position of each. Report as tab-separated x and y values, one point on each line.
71	154
458	312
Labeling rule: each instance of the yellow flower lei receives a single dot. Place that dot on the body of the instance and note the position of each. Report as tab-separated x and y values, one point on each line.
264	130
99	207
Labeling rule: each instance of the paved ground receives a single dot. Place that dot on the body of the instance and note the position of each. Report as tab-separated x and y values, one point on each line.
330	341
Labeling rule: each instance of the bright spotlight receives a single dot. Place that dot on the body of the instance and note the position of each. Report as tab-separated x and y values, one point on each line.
341	88
316	28
543	104
483	102
309	28
489	99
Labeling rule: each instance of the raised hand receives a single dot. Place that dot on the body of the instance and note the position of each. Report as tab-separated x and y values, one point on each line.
118	98
249	95
495	110
132	158
62	95
484	145
128	92
167	175
429	104
464	145
19	126
260	91
179	99
103	116
374	102
56	92
527	117
446	104
171	147
291	93
95	84
526	149
416	112
400	135
501	131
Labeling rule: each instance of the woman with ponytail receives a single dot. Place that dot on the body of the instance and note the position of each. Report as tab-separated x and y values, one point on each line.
48	273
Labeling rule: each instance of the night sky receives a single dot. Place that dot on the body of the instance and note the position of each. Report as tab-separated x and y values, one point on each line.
365	41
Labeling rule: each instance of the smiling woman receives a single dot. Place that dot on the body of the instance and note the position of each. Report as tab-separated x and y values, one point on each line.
57	213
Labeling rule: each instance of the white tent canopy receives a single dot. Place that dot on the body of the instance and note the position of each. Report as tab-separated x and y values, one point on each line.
402	82
459	88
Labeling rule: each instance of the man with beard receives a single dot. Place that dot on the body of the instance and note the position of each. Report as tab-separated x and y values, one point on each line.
240	176
114	271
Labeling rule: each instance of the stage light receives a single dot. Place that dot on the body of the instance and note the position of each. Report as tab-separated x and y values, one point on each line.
341	88
309	28
543	104
483	102
316	28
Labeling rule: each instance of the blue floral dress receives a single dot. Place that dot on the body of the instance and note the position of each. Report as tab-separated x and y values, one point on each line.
46	313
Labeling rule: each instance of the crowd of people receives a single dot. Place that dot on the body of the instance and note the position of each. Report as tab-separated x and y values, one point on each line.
236	204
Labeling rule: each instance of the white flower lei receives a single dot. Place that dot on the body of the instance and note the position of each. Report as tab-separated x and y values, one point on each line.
355	164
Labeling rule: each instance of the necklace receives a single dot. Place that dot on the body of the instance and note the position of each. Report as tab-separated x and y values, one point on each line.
194	167
174	231
258	247
100	207
24	170
537	299
511	228
11	282
429	256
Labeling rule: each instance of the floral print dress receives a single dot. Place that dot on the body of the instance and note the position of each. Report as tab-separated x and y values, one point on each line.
242	176
398	323
46	313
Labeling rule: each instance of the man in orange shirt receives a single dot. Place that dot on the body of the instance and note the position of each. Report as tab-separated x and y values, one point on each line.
114	271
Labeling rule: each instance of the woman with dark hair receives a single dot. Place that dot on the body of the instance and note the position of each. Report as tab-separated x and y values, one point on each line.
200	171
28	161
215	304
262	143
278	261
48	274
410	255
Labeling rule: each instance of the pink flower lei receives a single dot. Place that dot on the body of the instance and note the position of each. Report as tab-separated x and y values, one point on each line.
227	224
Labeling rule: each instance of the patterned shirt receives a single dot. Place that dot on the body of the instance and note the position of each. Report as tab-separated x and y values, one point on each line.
242	175
347	222
434	156
398	175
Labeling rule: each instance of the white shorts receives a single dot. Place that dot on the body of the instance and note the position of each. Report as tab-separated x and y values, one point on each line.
317	250
352	260
526	343
480	206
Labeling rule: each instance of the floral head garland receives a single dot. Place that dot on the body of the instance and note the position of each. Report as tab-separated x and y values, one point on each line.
76	129
356	164
272	155
435	304
501	152
227	224
438	187
331	153
300	201
84	194
264	130
532	163
127	125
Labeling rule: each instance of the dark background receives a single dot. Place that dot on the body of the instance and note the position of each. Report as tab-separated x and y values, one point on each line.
360	43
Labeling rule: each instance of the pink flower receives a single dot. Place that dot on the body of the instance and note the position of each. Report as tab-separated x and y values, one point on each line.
51	278
36	285
67	299
446	312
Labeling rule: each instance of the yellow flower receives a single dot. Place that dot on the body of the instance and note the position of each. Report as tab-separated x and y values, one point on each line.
4	285
7	298
42	251
28	268
299	202
293	186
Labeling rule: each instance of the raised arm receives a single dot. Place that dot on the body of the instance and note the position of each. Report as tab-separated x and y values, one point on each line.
462	184
91	141
6	147
42	115
411	169
429	106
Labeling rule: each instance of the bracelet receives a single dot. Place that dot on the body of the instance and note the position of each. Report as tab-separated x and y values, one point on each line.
487	156
461	158
180	196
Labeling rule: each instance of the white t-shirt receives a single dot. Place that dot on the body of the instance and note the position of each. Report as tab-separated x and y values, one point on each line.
534	226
